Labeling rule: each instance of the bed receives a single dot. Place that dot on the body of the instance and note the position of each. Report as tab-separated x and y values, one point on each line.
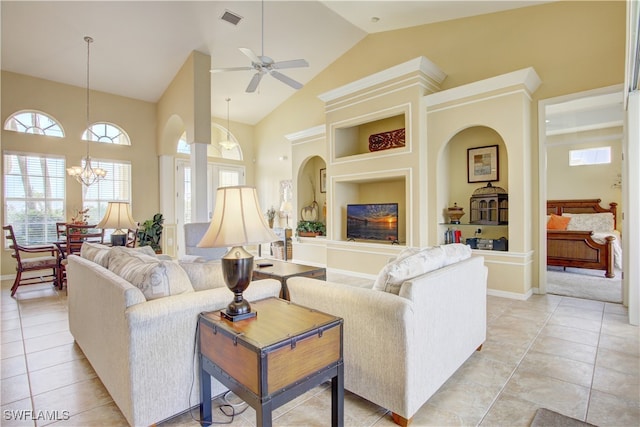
590	239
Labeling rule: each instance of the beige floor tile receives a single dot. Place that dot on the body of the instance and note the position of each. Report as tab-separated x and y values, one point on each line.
506	352
9	315
430	415
575	322
557	395
571	334
13	366
75	398
11	336
570	350
579	312
10	324
61	375
610	307
54	356
561	368
586	304
12	349
106	415
17	414
617	383
44	318
509	410
619	326
45	329
467	400
608	410
15	388
618	361
48	341
624	345
484	370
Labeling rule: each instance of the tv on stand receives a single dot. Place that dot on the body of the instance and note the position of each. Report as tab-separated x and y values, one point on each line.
373	221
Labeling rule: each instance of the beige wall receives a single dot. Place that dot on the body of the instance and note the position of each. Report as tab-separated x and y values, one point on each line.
67	104
573	46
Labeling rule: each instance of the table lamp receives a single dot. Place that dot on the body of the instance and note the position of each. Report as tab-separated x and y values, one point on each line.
237	221
118	217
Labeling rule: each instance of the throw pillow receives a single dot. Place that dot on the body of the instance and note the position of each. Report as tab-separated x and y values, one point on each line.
381	280
557	222
155	278
414	265
95	252
455	252
204	275
599	222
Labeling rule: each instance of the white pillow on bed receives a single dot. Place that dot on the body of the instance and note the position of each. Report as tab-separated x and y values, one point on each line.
590	222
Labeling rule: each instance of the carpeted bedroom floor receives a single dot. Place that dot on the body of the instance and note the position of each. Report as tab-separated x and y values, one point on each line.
583	283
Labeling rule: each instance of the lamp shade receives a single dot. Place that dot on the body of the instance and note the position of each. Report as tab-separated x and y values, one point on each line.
237	220
118	216
286	207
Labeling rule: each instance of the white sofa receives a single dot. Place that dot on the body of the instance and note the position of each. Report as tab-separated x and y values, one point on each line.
143	351
399	349
193	233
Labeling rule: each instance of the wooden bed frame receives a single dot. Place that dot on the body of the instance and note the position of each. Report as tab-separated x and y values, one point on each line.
577	248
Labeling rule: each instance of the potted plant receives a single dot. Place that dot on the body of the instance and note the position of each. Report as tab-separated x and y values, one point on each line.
271	215
150	232
310	228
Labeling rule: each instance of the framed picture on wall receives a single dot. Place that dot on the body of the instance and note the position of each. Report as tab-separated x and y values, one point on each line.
482	164
323	180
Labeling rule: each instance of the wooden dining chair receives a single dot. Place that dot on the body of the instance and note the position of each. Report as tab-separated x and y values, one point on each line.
61	230
46	259
76	235
132	238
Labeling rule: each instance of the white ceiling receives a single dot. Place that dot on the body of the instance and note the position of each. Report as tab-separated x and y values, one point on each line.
139	46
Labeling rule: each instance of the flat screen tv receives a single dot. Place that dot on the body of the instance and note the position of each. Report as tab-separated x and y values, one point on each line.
373	221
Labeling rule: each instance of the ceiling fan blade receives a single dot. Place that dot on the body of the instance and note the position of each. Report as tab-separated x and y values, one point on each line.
252	56
287	80
294	63
255	81
220	70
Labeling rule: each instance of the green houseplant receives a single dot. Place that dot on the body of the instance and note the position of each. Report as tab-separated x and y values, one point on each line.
310	228
150	232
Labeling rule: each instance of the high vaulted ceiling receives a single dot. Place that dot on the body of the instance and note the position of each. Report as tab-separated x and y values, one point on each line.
139	46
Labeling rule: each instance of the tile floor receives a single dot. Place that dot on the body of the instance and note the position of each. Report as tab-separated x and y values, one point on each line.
577	357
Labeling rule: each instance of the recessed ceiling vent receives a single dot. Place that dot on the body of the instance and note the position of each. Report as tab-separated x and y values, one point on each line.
231	17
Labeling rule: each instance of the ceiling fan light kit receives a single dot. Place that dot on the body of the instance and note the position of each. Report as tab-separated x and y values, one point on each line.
265	65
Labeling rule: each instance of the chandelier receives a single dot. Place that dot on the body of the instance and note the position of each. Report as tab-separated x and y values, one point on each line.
228	144
85	173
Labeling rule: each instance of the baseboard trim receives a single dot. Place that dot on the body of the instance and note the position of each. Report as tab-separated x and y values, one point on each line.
510	295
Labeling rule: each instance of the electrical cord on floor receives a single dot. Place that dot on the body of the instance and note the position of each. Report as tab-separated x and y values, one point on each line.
225	408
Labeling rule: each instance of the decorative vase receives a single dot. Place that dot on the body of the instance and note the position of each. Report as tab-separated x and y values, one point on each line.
270	222
455	213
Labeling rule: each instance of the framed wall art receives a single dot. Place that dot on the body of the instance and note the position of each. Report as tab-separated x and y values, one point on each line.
482	164
323	180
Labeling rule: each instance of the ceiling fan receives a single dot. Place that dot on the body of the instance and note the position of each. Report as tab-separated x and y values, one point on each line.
265	65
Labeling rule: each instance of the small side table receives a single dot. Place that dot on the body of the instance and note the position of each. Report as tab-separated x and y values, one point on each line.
270	359
281	271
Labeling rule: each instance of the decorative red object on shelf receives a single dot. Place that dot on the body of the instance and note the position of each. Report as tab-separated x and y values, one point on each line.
386	140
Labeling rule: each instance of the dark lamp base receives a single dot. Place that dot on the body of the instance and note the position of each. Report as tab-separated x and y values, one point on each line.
118	239
238	317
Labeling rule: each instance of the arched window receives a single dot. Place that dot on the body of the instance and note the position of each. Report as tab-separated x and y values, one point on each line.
214	149
107	133
183	145
34	122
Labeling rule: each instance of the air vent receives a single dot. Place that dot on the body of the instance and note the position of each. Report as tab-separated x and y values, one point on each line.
231	17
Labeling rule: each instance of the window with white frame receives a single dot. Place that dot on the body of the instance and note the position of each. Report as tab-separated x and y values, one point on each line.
34	191
590	156
115	187
107	133
34	122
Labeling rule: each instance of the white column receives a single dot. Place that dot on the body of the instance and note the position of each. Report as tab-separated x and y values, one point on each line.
199	191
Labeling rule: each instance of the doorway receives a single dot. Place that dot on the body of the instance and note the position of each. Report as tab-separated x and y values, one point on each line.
580	157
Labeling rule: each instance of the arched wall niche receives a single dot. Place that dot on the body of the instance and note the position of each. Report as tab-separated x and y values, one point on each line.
454	161
308	187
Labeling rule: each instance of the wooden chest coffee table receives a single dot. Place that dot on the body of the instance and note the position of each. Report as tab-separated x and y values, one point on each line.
281	271
268	360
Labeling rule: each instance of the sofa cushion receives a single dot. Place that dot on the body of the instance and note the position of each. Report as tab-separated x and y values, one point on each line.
204	275
557	222
414	263
600	222
98	253
154	277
